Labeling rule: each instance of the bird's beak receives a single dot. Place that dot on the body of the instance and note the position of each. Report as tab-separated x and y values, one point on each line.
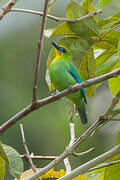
56	46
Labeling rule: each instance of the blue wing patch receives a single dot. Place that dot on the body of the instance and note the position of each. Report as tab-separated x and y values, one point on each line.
78	80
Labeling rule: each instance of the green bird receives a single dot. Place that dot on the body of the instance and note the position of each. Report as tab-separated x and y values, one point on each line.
64	74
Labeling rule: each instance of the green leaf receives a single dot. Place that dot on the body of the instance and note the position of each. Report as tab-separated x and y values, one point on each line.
110	20
3	154
48	32
114	113
62	29
103	3
114	83
87	70
113	172
15	162
51	5
119	46
104	57
86	27
108	65
101	177
103	45
89	6
2	168
111	37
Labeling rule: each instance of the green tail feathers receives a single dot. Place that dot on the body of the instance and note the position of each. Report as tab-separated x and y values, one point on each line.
82	114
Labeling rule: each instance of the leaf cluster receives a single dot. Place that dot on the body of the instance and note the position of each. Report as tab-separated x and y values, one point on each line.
94	43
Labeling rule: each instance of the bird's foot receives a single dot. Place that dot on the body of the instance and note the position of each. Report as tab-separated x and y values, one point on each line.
53	93
69	88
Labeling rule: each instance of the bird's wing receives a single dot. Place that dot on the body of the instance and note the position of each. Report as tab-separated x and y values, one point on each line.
75	74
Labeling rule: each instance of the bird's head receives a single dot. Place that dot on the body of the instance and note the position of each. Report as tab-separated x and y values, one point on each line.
61	51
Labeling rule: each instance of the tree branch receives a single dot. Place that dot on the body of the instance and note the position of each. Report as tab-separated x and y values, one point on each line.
104	165
69	149
82	153
27	110
72	132
67	165
57	18
27	150
40	47
7	8
85	167
38	157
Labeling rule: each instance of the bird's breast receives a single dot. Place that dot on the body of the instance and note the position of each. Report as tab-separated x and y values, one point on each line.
58	74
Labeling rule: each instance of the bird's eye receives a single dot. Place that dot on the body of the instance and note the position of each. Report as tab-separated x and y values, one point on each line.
64	50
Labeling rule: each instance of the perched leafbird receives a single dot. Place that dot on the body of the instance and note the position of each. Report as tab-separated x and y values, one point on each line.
64	74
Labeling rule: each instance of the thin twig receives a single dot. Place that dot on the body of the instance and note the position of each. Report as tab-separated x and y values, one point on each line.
69	149
24	156
72	132
30	108
40	47
82	153
51	7
104	165
112	28
67	165
27	150
57	18
115	119
7	8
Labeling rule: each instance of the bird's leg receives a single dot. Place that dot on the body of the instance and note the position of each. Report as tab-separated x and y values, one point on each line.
54	92
69	88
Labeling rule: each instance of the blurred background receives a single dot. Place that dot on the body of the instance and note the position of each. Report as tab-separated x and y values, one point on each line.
47	129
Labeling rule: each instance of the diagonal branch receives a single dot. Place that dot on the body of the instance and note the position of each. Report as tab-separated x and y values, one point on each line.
27	150
104	165
40	47
7	8
85	167
57	18
68	151
27	110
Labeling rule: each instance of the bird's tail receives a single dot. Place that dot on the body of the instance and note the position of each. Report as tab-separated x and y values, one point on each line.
82	113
